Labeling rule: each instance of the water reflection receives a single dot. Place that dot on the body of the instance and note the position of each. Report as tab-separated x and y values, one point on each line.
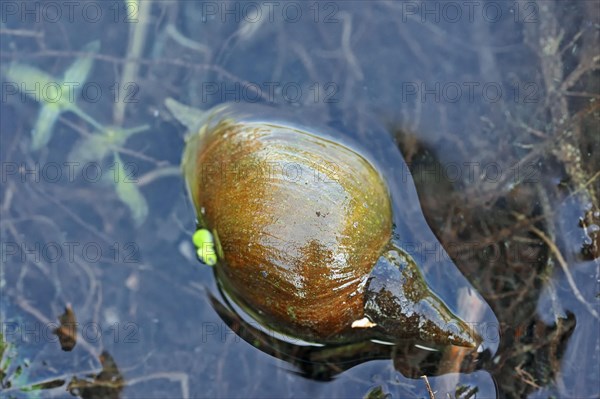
324	363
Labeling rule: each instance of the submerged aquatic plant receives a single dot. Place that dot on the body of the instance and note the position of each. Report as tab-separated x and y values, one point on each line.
53	100
96	147
129	193
14	375
93	148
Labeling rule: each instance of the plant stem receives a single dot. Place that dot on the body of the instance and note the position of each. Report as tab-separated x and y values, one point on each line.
137	38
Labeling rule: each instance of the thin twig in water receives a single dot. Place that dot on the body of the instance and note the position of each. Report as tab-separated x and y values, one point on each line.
347	47
158	173
182	378
565	268
184	41
429	390
21	32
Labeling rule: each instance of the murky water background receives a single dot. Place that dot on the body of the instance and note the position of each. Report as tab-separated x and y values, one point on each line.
493	104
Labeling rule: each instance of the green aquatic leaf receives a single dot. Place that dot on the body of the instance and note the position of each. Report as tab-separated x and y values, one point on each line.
80	69
30	78
40	86
129	193
42	131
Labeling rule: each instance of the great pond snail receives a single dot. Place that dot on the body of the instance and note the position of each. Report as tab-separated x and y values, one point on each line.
299	228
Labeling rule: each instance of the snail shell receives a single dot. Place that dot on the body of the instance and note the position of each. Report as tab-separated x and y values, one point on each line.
300	221
288	207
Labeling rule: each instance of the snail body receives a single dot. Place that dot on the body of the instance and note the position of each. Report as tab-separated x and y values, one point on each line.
302	226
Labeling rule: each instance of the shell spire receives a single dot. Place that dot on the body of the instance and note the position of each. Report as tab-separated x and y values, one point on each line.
400	302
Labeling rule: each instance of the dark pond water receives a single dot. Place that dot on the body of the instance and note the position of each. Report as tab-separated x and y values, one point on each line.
493	104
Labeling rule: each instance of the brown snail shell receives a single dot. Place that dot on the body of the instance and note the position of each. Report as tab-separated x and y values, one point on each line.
300	222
